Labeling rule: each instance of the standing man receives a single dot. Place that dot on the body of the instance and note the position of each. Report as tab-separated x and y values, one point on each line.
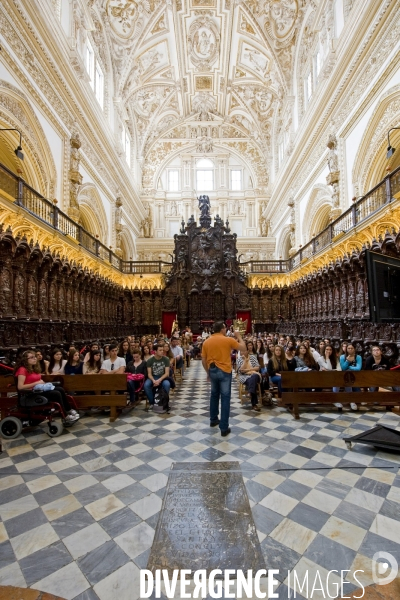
157	372
216	359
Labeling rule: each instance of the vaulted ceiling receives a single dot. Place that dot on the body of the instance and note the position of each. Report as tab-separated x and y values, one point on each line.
180	64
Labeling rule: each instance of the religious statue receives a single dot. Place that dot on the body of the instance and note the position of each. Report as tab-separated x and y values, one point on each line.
264	226
75	178
204	205
218	221
146	223
236	210
333	161
173	211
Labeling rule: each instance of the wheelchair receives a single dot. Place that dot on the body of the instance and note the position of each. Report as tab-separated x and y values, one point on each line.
21	416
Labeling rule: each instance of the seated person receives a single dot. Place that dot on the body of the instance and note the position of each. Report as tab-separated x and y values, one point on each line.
171	357
157	373
28	376
136	366
93	365
276	364
44	364
177	352
124	351
57	363
248	372
93	346
351	361
74	364
376	362
115	364
146	352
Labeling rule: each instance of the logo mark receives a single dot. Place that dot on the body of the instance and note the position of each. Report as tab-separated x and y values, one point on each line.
384	568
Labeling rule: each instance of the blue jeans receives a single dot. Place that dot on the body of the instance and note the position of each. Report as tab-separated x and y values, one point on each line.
220	386
149	391
277	381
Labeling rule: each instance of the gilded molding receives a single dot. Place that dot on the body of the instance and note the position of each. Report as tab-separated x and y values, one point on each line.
363	235
22	224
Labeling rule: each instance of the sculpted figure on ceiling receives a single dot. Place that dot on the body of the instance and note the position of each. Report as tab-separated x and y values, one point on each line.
205	105
203	43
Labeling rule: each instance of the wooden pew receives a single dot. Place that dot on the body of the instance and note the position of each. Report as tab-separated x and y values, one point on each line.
8	394
97	384
295	395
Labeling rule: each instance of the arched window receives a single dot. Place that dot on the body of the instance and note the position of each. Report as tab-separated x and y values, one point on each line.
204	175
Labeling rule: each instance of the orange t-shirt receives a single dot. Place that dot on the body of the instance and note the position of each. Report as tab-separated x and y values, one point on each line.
217	349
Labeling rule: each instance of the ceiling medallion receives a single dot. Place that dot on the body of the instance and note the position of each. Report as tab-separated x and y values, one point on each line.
281	18
203	43
123	16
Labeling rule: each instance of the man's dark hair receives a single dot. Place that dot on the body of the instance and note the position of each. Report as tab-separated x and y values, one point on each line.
218	325
157	346
112	347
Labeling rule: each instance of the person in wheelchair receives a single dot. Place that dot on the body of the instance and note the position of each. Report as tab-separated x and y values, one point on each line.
28	377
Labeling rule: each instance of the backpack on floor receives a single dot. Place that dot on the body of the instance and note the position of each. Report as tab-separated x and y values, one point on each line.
161	400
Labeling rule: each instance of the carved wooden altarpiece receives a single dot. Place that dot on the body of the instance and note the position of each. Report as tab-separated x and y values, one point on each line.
206	283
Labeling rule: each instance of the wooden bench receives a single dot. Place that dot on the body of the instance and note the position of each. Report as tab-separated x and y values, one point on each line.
295	395
99	384
8	393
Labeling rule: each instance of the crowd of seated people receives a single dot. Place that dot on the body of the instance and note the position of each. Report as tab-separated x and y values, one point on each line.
141	358
275	354
150	361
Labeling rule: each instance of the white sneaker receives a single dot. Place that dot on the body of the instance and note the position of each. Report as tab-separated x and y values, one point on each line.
353	406
338	405
71	418
72	412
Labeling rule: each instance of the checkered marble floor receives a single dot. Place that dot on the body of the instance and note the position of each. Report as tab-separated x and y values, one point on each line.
78	512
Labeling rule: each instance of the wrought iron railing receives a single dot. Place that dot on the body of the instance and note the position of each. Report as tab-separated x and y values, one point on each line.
362	209
48	212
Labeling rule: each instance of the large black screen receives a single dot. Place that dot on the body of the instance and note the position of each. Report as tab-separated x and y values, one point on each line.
383	276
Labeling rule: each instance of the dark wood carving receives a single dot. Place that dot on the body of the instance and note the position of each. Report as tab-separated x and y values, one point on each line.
206	283
47	300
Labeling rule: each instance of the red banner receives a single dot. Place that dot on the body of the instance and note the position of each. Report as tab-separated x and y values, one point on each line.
167	321
245	314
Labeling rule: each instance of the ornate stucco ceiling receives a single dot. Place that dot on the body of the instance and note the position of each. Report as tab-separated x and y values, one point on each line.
179	65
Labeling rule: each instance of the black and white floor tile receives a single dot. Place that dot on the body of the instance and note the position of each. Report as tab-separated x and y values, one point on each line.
78	512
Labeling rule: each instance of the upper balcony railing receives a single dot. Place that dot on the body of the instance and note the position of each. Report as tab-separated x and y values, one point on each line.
34	203
362	209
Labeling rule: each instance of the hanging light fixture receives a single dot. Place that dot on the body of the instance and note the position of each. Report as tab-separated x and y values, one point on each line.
390	149
18	150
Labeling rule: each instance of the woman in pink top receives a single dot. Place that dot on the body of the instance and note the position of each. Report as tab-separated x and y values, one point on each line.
28	376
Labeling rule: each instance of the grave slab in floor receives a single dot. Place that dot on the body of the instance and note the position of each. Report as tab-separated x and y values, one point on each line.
206	521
